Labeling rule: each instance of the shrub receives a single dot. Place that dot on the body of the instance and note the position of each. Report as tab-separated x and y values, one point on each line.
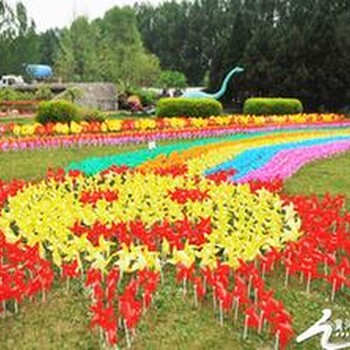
43	93
58	111
92	115
188	107
9	94
272	106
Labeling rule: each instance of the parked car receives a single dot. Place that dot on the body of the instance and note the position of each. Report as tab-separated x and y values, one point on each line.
11	80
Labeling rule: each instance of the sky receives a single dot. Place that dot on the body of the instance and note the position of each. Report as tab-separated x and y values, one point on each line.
60	13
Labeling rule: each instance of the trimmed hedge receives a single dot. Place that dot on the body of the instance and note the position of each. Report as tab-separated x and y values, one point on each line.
59	111
272	106
188	107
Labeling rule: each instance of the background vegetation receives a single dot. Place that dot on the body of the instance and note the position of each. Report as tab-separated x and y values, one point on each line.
290	48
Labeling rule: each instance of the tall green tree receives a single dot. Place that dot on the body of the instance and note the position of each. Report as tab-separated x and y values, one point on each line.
107	49
18	39
48	46
289	47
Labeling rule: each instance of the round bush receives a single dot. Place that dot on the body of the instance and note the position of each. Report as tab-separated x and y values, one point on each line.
59	111
188	107
272	106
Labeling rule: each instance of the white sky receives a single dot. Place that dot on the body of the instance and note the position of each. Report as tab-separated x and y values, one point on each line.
59	13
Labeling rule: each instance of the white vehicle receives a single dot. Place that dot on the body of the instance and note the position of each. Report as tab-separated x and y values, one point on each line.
11	80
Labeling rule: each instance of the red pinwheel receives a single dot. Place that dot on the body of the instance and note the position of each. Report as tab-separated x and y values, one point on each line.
222	176
111	284
93	277
70	270
223	295
199	288
105	318
130	309
284	333
184	272
252	317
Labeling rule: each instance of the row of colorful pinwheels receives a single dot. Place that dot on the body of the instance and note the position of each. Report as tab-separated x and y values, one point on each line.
157	124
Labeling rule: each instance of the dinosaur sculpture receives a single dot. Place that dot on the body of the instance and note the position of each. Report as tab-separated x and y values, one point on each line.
217	95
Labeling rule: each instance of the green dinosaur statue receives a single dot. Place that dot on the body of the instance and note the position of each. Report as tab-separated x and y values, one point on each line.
217	95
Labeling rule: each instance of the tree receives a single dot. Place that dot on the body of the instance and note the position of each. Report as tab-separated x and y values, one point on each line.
49	46
172	79
289	47
77	48
107	49
18	39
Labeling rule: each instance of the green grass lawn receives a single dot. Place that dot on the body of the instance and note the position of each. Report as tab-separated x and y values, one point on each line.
172	322
30	165
17	120
328	175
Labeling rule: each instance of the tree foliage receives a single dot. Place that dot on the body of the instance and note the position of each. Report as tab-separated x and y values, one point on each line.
107	49
172	79
290	48
18	39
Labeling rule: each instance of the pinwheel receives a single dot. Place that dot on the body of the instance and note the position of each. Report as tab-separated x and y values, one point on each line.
252	320
284	333
70	271
129	308
93	277
104	317
224	297
240	295
337	277
184	274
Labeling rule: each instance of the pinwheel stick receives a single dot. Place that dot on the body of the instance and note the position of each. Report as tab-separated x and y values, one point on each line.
286	279
277	343
256	297
263	271
250	284
325	268
245	330
261	322
221	314
43	299
184	286
334	284
236	309
214	299
195	296
308	283
3	308
127	336
67	284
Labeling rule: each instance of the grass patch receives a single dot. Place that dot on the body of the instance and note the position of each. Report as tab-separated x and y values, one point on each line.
30	165
329	175
17	120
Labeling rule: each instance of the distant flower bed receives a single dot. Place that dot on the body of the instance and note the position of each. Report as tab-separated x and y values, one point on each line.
121	132
22	106
159	124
